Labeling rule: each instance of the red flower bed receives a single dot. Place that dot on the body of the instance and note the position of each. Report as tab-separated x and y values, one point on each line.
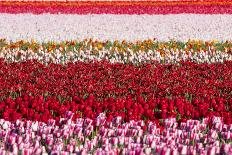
103	80
40	109
148	92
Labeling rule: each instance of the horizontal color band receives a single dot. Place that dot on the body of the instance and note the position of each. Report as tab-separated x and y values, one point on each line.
181	27
111	0
179	9
115	3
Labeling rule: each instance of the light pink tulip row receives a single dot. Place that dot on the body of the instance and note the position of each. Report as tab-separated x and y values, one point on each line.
86	136
51	27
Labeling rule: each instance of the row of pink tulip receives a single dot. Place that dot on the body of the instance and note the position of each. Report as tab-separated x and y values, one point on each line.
208	136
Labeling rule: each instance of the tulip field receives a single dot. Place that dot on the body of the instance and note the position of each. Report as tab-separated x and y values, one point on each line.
115	77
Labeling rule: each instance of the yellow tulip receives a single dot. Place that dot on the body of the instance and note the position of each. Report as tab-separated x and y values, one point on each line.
99	46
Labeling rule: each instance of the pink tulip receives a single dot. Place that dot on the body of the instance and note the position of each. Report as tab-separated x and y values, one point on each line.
64	153
70	148
2	151
174	151
38	151
184	150
147	151
99	151
26	152
15	149
121	140
131	152
111	132
105	141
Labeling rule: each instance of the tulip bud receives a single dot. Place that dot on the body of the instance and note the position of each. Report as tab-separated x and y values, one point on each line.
184	150
98	122
38	151
214	135
153	145
114	141
64	153
5	126
70	148
3	152
147	151
34	126
211	151
26	152
99	151
121	140
12	140
225	148
15	149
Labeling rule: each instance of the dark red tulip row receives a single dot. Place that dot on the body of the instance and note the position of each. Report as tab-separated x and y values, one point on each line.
104	80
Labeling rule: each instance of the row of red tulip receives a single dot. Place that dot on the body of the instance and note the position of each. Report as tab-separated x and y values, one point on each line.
157	109
103	80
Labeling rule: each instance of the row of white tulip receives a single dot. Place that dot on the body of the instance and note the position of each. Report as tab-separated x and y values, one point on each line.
60	27
86	136
170	56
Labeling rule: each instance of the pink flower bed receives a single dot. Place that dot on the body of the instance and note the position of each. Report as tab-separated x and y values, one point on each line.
177	9
99	136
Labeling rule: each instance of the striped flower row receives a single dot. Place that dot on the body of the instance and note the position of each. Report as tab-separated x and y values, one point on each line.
117	52
116	6
52	27
86	136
